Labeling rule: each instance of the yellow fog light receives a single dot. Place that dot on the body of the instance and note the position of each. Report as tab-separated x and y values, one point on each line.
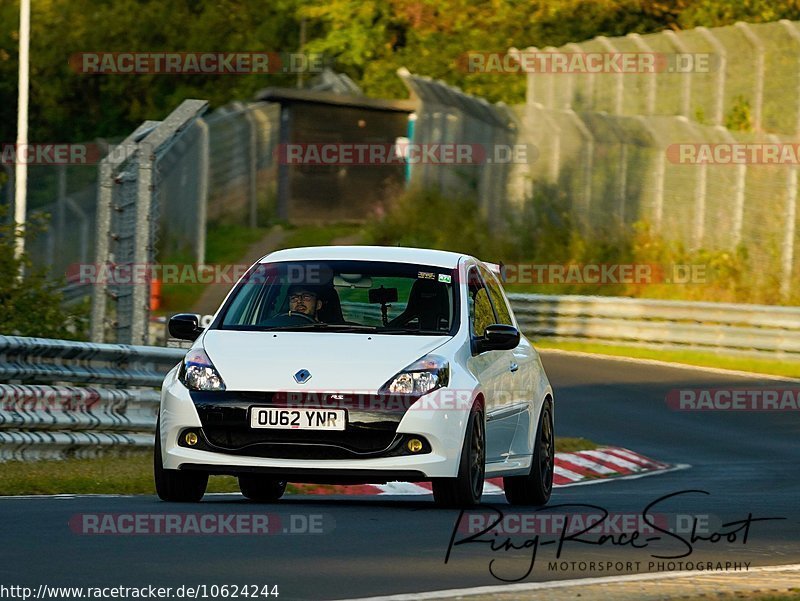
414	445
190	438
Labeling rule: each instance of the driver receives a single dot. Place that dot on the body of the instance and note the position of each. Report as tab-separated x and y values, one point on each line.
305	300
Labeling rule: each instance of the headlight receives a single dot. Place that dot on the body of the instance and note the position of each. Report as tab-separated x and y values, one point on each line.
422	376
198	373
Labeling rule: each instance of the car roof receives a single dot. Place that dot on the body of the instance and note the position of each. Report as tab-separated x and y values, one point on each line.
390	254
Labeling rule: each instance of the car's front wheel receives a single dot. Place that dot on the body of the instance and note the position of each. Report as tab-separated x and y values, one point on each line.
465	490
175	485
260	489
536	487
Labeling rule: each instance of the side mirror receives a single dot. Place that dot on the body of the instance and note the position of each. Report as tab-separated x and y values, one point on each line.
185	326
498	337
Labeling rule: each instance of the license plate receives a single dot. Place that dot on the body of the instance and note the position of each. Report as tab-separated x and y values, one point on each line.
298	419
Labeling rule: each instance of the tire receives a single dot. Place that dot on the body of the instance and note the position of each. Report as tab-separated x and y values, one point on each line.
261	489
465	490
175	485
536	487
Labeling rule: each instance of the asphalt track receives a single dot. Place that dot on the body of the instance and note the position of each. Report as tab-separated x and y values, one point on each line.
746	462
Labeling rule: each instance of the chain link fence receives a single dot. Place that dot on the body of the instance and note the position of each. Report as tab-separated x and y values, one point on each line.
621	149
706	75
158	191
446	115
61	199
243	175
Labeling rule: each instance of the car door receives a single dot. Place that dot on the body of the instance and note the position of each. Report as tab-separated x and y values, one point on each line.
491	368
520	383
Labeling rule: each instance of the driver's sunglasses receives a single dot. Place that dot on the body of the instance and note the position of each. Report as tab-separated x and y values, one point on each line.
305	297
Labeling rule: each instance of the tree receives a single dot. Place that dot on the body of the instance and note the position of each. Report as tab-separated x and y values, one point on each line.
32	305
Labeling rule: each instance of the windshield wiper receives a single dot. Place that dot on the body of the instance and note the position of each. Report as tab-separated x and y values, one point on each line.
338	327
413	331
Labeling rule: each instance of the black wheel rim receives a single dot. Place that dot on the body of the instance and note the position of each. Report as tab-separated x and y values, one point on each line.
477	463
547	452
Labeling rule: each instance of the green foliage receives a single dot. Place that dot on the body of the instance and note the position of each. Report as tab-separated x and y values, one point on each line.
543	233
368	39
717	13
740	117
778	367
67	105
428	219
32	305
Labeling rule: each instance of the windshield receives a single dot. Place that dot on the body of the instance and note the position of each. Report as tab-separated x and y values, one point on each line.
344	296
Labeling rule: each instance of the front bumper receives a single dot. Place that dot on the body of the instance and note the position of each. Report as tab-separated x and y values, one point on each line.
373	460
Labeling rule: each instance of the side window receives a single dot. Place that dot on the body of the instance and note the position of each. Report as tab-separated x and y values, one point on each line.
498	300
481	314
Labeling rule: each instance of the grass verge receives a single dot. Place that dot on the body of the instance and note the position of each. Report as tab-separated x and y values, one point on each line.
225	244
319	235
130	475
697	358
790	595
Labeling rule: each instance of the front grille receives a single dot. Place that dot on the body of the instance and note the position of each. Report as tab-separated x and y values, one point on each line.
349	443
225	417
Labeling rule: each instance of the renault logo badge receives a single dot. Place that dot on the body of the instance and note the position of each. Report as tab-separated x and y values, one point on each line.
302	376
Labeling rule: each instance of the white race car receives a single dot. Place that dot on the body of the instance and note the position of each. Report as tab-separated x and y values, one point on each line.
358	365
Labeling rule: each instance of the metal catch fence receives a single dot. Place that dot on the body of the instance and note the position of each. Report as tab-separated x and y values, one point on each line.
621	148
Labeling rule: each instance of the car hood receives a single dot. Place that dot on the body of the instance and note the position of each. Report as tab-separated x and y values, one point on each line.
267	361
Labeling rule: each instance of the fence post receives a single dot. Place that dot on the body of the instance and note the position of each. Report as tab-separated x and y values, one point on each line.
589	80
790	213
252	162
116	157
738	201
661	165
202	201
622	180
758	76
146	219
719	95
555	155
787	251
105	192
587	163
530	82
686	86
140	294
792	31
551	78
650	99
699	230
619	81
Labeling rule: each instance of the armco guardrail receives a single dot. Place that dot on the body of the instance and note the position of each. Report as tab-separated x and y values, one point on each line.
748	330
60	398
64	399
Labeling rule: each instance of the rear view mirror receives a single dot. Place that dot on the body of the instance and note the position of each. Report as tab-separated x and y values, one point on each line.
498	337
185	326
352	280
382	296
